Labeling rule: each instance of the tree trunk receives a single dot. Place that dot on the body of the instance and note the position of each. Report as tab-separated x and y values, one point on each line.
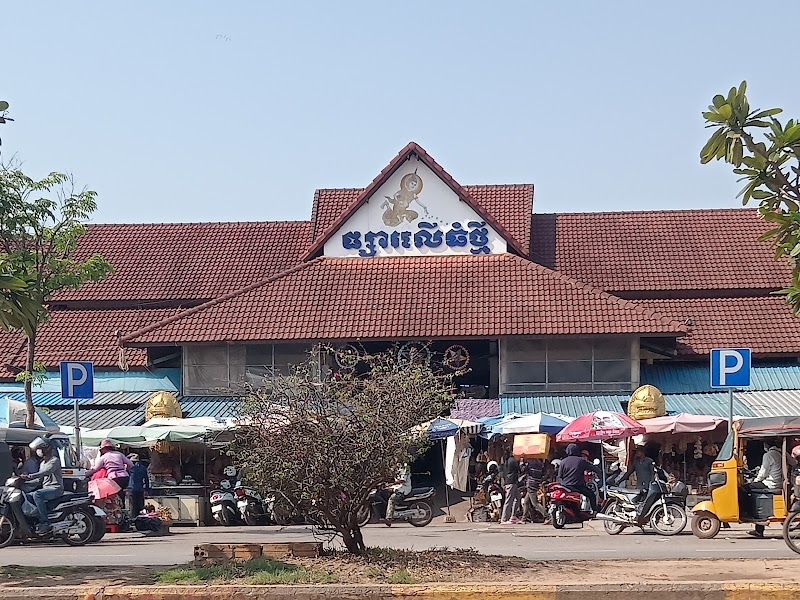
353	540
30	418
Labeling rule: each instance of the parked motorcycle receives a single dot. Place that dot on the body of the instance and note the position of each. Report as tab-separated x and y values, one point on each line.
567	506
72	516
224	507
252	507
665	511
412	508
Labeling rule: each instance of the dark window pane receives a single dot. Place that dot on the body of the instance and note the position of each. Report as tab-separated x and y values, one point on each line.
612	370
533	372
570	372
569	350
612	348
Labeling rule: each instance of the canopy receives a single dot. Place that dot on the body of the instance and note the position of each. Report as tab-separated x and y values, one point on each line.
168	430
439	429
600	425
769	426
682	423
535	423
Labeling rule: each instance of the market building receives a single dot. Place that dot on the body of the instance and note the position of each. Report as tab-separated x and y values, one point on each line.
560	313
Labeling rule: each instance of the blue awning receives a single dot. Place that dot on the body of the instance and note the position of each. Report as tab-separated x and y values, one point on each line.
693	378
715	404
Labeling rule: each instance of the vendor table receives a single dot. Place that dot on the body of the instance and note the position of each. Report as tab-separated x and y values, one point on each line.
187	503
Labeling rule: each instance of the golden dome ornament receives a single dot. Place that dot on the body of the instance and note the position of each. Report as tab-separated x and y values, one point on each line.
647	402
162	405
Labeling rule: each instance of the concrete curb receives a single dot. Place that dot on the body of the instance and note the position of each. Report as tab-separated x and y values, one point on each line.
611	591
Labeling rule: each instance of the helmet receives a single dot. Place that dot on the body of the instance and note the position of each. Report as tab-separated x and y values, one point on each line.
229	471
39	444
493	467
106	444
796	452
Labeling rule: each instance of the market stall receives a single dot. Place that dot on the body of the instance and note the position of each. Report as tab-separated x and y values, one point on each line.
184	458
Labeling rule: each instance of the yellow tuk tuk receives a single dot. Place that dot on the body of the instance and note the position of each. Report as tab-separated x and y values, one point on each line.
729	502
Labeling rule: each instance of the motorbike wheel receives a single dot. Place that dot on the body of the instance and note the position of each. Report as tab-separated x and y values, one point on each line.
669	520
364	516
421	521
791	531
250	519
559	517
611	509
99	530
85	517
7	531
705	525
225	517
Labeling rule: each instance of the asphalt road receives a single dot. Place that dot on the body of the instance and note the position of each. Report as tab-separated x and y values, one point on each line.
529	541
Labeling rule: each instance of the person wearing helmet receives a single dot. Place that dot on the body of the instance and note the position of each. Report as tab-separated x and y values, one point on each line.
571	474
49	474
492	476
117	467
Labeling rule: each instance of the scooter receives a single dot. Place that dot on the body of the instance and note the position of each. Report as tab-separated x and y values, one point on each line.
251	505
224	505
72	516
567	506
412	508
664	511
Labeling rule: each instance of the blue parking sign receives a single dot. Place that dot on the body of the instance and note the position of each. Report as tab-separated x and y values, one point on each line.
730	367
77	380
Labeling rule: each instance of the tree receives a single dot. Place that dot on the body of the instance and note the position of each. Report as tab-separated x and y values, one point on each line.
3	117
40	224
17	308
768	163
326	441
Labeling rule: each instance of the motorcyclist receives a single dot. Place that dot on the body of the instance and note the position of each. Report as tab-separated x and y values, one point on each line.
52	482
492	476
571	474
400	489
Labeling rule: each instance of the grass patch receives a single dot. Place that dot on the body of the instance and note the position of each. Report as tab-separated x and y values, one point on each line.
259	571
401	576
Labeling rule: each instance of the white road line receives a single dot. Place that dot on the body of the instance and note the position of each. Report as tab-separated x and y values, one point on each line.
738	550
568	551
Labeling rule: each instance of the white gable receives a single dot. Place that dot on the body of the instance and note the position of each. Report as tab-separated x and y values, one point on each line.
414	213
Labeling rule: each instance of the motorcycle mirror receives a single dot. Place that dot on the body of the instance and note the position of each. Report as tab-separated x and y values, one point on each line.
596	461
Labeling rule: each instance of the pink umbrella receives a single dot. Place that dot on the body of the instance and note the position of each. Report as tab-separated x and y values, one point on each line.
103	488
600	425
683	423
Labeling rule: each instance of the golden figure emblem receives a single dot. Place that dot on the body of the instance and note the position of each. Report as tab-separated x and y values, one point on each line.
647	402
397	205
162	404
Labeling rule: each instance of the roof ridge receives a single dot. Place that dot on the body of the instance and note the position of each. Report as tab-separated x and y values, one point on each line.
219	300
646	212
169	223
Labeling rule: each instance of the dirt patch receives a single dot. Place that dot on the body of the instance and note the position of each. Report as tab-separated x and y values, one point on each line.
448	566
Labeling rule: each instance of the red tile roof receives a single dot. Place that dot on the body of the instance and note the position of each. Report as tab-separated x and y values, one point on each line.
409	298
765	323
659	250
81	335
327	220
187	261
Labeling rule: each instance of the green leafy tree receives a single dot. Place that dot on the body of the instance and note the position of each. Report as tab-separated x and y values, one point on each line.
4	118
17	308
766	154
40	224
325	442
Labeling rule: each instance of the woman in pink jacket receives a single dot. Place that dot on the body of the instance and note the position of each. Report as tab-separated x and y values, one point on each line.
116	465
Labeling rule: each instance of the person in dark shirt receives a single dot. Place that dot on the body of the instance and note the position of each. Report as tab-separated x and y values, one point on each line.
139	484
644	467
534	476
571	474
512	503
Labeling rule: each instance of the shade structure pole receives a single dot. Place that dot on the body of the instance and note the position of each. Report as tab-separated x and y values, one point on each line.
446	491
603	464
730	410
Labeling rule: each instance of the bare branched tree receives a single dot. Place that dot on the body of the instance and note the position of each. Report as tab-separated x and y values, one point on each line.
327	439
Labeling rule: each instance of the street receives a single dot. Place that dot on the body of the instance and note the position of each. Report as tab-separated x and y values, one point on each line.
536	542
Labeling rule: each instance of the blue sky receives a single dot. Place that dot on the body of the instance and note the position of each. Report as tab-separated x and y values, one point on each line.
185	111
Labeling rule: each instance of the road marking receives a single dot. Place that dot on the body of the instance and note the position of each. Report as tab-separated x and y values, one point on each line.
568	551
738	550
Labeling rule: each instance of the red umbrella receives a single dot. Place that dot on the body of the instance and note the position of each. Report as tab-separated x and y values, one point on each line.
600	425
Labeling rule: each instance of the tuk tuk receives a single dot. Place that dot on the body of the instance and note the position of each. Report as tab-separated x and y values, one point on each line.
730	503
72	471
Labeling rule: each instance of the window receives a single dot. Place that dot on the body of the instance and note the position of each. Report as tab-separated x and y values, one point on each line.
225	370
567	365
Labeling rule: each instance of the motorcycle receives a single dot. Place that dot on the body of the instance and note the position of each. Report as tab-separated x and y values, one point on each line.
252	507
567	506
224	507
412	508
664	510
496	500
72	517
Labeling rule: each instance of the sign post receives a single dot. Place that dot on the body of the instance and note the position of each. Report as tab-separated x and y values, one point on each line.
77	383
730	369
